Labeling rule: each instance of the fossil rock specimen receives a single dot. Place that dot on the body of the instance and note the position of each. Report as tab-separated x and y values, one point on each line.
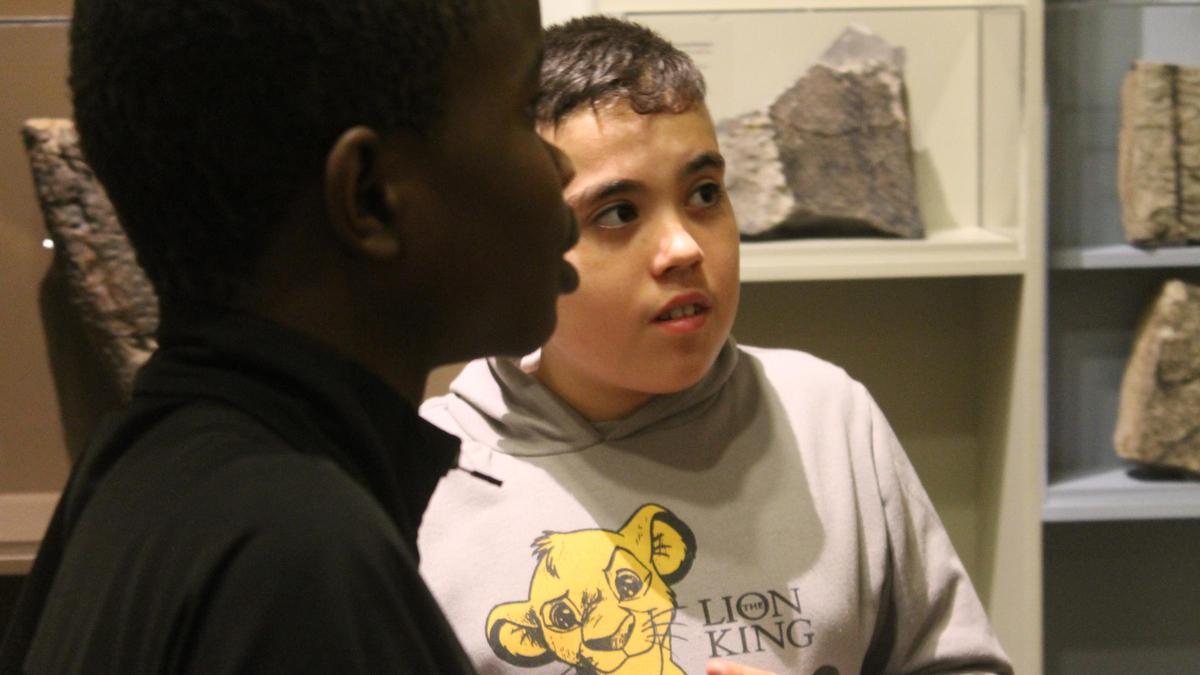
104	282
1159	419
1159	154
754	173
832	156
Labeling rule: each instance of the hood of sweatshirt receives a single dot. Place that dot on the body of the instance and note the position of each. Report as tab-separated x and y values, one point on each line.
499	403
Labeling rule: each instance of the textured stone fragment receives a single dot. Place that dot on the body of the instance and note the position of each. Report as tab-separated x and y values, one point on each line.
1159	165
841	141
1159	419
753	172
104	282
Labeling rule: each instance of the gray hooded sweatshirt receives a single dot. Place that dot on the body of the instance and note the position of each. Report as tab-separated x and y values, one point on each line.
766	515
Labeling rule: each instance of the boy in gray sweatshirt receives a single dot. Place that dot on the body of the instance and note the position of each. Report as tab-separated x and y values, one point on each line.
684	498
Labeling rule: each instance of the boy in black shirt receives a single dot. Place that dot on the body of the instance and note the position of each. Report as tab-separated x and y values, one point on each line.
331	198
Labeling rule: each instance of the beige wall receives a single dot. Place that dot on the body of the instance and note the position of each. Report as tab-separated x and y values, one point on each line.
32	83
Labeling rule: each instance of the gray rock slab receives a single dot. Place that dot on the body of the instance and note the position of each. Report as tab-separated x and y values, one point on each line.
839	141
754	173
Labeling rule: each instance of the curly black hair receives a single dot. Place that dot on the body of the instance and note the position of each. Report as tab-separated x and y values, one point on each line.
594	60
204	119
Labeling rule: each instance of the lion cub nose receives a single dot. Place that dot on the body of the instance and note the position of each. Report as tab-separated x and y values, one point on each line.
615	640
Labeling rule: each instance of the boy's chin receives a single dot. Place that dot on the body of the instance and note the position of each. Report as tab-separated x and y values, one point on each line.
684	377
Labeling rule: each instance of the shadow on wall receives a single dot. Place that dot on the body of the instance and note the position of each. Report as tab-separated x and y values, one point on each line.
85	391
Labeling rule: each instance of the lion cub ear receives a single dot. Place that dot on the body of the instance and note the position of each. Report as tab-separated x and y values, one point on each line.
664	539
515	635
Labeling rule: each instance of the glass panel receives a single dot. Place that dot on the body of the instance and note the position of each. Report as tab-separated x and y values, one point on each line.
964	74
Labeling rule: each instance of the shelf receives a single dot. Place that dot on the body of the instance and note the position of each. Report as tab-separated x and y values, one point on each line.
1123	256
23	519
955	252
1092	5
1114	495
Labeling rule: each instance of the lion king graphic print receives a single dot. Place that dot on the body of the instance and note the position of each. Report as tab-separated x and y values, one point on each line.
599	600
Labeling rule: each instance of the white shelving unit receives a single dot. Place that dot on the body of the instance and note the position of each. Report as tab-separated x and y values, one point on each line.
946	331
1116	534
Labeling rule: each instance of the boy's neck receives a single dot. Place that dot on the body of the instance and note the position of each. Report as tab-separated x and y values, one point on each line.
595	400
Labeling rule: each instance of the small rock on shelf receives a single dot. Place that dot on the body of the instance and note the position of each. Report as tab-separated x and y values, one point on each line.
1159	155
1159	418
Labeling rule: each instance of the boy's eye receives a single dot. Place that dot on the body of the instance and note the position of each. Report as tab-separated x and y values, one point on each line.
705	194
616	216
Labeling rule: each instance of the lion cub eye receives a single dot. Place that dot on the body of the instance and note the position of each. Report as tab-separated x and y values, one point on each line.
563	617
627	584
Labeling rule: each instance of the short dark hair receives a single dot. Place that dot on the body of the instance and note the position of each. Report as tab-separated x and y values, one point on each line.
204	120
597	59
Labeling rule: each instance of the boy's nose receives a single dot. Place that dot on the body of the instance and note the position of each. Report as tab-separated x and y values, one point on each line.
678	250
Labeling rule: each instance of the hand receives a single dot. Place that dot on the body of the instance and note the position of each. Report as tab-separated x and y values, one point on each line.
719	667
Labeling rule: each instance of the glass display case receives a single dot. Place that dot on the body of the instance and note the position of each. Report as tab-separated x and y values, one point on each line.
966	93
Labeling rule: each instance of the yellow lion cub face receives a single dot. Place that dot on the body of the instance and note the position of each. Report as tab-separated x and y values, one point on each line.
599	600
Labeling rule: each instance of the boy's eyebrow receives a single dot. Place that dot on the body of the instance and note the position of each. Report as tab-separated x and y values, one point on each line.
705	160
605	190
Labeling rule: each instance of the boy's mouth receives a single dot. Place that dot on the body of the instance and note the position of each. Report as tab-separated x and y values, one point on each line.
681	312
684	306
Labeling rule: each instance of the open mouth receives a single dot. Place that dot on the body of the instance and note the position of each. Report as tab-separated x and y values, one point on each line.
681	312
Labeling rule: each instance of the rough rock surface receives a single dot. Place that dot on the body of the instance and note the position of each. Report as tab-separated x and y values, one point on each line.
753	172
1159	419
106	286
840	139
1159	150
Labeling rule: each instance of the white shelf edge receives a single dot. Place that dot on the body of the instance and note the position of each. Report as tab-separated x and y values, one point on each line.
23	520
958	252
1123	256
1112	495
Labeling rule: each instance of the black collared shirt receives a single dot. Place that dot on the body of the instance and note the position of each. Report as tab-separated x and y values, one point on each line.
254	509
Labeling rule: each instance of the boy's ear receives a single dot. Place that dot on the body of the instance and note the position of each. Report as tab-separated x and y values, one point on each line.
362	201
